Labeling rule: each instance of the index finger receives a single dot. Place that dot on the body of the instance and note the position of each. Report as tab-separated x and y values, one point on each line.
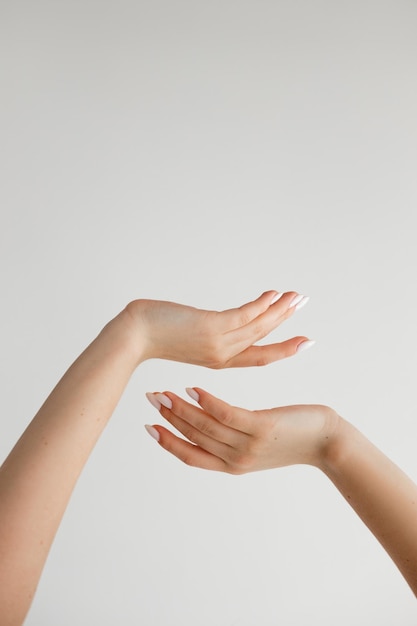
240	316
228	415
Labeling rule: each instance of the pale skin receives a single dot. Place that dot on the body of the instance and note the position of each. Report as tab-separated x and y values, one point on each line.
229	439
39	475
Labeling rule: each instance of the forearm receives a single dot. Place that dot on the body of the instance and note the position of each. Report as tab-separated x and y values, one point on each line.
226	438
38	477
381	494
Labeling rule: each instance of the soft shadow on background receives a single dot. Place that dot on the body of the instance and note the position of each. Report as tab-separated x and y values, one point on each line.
204	152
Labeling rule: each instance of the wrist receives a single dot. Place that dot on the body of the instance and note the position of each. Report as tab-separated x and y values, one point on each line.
324	435
126	336
338	440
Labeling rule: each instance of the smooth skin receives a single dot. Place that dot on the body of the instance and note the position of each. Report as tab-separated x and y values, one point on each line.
39	475
229	439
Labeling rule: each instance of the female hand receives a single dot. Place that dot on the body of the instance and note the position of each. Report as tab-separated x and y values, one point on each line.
230	439
214	339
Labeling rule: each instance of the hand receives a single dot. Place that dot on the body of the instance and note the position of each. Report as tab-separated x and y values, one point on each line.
233	440
214	339
229	439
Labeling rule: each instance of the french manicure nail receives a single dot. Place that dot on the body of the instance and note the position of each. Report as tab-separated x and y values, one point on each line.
152	431
192	393
275	298
152	399
305	345
164	400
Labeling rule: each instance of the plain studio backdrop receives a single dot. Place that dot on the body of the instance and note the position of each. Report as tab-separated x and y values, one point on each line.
204	152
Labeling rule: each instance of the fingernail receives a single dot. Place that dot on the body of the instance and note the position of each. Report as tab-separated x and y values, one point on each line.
192	393
152	399
275	298
302	303
152	431
305	345
164	400
298	302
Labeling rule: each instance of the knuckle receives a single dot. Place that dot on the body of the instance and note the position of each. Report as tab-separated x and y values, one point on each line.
246	458
262	360
216	353
259	330
244	317
189	433
216	365
242	463
226	416
188	460
205	427
287	349
235	471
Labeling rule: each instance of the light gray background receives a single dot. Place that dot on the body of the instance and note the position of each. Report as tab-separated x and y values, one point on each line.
204	152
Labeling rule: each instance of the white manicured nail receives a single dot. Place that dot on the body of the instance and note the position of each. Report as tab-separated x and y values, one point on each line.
275	298
295	301
298	302
152	431
305	345
302	302
153	401
164	400
192	393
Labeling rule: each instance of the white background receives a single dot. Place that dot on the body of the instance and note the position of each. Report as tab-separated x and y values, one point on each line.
203	152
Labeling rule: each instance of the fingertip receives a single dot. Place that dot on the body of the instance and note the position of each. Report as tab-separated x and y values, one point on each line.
275	297
153	432
204	397
193	393
301	303
152	399
305	345
163	399
285	299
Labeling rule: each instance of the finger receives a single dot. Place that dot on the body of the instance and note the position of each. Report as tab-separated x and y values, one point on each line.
241	338
264	355
195	436
237	317
187	452
231	416
199	426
